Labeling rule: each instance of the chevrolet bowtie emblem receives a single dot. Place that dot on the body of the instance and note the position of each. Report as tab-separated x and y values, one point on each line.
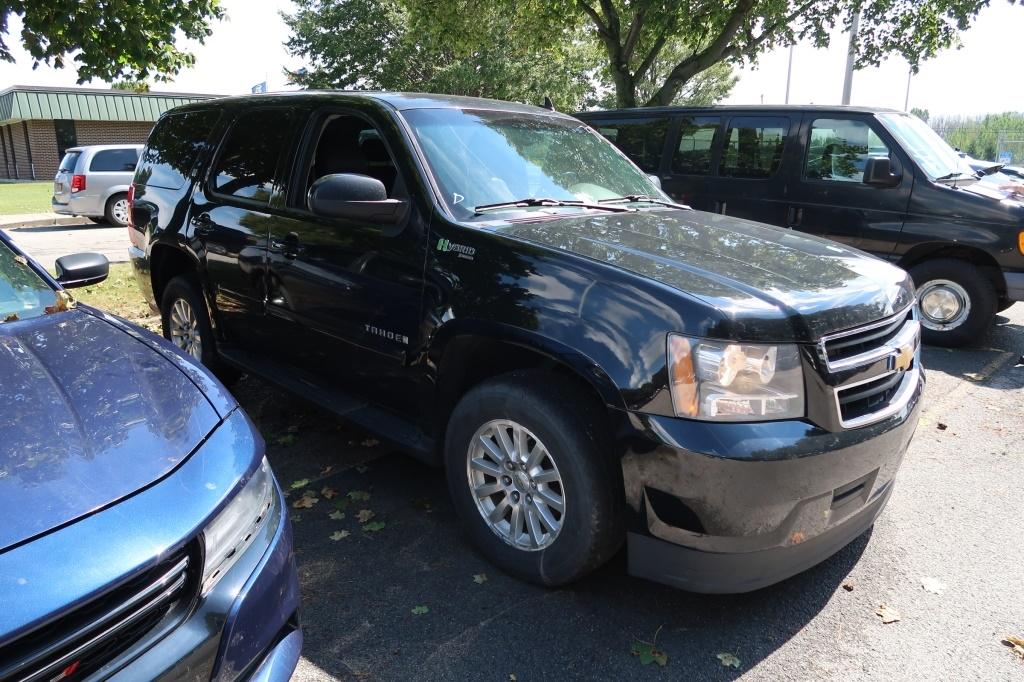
903	358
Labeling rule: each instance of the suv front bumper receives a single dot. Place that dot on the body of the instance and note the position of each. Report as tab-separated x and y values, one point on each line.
726	508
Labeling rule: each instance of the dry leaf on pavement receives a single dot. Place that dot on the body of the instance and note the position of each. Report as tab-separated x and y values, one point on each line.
307	500
1016	645
364	515
728	660
328	492
340	535
888	613
933	585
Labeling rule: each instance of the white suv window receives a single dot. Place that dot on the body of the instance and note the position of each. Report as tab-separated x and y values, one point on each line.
840	149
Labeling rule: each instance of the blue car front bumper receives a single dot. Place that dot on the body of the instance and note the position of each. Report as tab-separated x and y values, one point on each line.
245	627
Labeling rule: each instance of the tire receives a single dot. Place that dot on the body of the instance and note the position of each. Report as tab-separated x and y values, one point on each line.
1004	304
569	425
116	210
182	301
957	301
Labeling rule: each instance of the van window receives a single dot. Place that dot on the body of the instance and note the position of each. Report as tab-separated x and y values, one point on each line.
248	159
696	143
840	148
173	148
114	160
753	146
67	164
641	139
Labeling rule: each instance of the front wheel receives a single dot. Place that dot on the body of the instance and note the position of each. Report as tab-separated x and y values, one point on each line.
186	323
957	301
532	478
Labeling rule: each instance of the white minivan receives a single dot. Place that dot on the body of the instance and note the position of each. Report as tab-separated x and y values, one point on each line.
93	182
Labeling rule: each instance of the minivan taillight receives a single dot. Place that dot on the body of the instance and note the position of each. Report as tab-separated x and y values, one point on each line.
131	203
77	183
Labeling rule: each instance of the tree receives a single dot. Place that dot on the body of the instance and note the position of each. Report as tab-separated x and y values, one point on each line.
635	34
920	113
366	44
110	40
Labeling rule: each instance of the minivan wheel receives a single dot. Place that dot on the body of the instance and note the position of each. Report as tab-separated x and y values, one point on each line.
531	476
185	321
956	300
116	212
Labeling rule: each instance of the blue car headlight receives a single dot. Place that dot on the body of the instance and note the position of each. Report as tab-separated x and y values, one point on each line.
232	531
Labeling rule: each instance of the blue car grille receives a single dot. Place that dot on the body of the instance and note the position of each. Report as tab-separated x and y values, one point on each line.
79	643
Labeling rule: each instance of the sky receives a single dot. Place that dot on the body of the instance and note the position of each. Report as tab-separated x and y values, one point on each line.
985	75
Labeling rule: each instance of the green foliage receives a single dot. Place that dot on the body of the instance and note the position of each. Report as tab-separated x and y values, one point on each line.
920	113
983	137
131	86
109	39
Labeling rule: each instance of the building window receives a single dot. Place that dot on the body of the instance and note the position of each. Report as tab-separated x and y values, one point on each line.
66	136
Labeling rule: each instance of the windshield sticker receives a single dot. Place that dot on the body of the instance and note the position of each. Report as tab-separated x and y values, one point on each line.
444	246
457	198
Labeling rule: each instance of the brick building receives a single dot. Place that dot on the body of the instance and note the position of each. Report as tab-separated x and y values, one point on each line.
37	124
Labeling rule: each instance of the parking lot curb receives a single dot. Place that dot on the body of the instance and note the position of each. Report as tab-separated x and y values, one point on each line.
34	221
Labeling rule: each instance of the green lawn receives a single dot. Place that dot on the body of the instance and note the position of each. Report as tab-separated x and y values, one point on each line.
25	197
119	294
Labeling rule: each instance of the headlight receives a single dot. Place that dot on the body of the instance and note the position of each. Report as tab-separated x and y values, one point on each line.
725	381
230	533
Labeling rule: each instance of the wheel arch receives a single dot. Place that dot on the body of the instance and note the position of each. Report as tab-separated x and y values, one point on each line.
167	262
978	257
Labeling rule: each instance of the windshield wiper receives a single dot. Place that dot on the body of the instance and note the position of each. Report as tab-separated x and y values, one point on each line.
643	198
537	201
953	176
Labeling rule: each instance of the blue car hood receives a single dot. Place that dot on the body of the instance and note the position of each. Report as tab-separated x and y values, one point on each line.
90	415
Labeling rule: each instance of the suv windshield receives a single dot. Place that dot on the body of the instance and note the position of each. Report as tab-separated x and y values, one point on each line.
481	158
23	293
930	151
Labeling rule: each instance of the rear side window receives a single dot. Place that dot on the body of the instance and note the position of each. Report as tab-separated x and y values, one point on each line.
114	160
67	164
174	147
753	146
696	144
248	159
642	140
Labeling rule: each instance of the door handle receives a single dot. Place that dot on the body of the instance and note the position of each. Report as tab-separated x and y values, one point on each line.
289	246
203	224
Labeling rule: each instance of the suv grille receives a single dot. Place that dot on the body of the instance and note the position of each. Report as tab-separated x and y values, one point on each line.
887	351
82	641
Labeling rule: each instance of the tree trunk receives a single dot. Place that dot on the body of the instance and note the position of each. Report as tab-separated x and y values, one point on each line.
625	88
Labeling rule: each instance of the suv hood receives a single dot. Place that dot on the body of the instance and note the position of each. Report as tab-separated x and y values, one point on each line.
768	283
91	415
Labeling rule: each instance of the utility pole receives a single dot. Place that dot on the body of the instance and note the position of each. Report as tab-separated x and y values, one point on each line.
789	72
906	102
850	55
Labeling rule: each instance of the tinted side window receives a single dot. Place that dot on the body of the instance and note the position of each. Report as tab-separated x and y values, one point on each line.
753	146
840	148
173	148
248	159
696	143
642	140
115	160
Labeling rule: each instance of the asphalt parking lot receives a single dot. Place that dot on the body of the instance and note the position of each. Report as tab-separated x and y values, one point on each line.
954	523
47	243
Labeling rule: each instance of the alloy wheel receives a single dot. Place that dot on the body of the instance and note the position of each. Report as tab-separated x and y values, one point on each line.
184	328
516	485
119	211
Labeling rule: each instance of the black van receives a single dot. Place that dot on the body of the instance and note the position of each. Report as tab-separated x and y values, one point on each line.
498	290
877	179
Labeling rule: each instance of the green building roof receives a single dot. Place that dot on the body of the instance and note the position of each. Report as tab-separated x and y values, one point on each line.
26	102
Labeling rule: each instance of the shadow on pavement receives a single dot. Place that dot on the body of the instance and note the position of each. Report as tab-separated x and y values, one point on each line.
996	353
42	229
360	586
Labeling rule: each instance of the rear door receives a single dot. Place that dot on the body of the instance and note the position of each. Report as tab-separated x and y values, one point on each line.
231	218
62	181
829	198
751	180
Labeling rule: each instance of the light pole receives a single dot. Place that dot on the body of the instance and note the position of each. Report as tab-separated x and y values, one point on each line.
789	72
848	81
906	102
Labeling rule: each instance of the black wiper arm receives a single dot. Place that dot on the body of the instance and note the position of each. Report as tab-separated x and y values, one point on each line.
950	176
539	201
638	198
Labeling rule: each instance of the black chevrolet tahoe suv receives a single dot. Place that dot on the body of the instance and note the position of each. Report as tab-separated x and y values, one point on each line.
875	179
496	289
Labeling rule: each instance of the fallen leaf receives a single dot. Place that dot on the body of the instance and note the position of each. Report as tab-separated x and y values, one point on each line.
287	439
1016	645
370	443
887	613
728	660
480	578
512	677
374	526
849	585
307	500
648	653
342	504
295	518
337	515
21	260
340	535
364	515
362	468
328	492
419	610
326	470
358	495
974	376
941	427
933	585
301	483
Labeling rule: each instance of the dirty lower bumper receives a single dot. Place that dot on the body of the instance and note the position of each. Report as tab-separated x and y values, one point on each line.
724	508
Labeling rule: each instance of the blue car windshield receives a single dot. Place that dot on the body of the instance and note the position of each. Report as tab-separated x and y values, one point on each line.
23	293
482	157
